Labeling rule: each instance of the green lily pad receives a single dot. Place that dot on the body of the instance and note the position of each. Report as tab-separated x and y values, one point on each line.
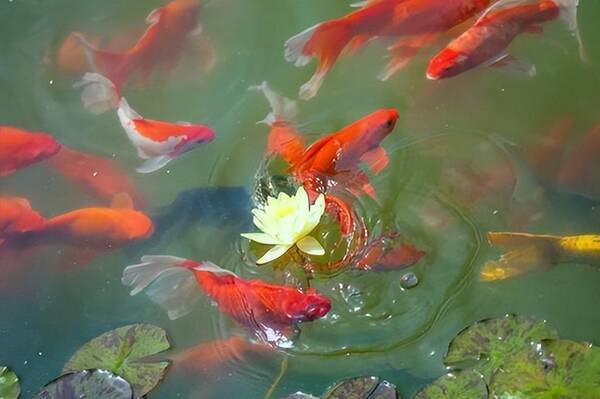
488	343
563	369
467	384
122	351
362	388
9	384
87	384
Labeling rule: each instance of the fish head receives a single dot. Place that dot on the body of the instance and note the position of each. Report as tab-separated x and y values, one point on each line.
135	225
447	63
376	126
43	146
194	136
309	306
185	12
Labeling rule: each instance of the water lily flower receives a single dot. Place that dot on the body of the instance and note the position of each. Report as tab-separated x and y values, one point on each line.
287	221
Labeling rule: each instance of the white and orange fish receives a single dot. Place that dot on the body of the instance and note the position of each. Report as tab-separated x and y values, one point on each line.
158	142
486	42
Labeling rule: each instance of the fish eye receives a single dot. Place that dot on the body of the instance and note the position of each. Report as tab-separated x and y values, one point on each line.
389	123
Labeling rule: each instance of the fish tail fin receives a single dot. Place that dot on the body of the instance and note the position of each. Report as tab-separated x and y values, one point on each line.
282	108
526	253
169	281
568	13
112	64
99	94
326	41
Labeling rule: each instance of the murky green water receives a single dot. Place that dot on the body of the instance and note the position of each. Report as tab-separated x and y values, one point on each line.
442	138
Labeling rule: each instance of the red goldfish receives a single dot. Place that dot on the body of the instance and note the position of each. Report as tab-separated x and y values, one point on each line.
101	177
268	310
487	40
416	23
20	148
156	141
160	45
212	356
17	217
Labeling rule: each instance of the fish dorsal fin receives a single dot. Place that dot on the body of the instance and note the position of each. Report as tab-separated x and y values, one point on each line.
154	16
314	148
121	201
502	4
365	3
568	13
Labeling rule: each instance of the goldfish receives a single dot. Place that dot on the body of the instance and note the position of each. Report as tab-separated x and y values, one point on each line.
413	23
269	311
487	40
334	159
17	217
159	46
20	148
213	355
530	252
157	142
101	177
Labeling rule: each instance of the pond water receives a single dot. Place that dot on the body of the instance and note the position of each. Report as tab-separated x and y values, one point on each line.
450	180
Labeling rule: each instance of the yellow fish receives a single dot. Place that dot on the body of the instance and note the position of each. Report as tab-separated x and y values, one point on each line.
529	252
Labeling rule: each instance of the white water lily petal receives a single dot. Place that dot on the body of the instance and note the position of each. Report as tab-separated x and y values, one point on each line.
261	238
311	246
273	253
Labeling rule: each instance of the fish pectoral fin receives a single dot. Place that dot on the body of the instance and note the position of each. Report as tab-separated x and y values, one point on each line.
154	164
510	64
516	262
403	52
197	30
377	159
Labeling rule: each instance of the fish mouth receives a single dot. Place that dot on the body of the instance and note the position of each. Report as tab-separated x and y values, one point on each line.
432	76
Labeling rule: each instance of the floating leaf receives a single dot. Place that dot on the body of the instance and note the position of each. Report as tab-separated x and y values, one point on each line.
122	351
489	343
563	369
362	388
467	384
9	384
87	384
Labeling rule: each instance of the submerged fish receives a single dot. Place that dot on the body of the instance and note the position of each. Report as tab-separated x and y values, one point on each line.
158	142
269	311
415	24
20	148
530	252
486	41
159	46
101	177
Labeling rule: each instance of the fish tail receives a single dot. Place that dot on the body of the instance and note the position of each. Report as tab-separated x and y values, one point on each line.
526	253
114	65
325	41
99	94
568	13
282	108
169	281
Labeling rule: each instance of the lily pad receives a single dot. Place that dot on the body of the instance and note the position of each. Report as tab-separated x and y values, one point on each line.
122	351
488	343
9	384
362	388
467	384
563	369
87	384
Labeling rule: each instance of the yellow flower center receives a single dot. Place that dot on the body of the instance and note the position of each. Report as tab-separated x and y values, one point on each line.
285	211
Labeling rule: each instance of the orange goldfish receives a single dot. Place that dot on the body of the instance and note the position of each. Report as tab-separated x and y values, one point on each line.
101	177
415	23
20	148
269	311
160	45
487	40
